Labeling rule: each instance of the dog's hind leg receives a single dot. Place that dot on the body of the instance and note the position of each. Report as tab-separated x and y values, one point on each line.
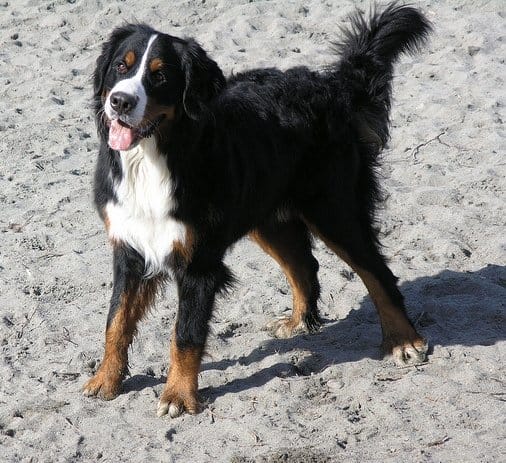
289	243
354	241
132	297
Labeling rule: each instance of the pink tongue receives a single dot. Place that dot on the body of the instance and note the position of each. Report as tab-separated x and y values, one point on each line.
120	138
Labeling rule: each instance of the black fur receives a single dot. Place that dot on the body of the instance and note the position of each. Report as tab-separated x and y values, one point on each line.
263	144
203	78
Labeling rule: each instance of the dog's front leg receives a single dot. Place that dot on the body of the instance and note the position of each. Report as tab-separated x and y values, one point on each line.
132	296
197	288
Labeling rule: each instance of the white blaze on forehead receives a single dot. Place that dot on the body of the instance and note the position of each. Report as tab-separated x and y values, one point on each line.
132	86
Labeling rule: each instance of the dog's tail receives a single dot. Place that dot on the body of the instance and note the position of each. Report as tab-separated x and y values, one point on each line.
368	52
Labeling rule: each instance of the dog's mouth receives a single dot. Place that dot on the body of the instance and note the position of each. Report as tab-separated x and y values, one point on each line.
123	136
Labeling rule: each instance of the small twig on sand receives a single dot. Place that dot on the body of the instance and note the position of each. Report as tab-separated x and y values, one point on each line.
494	395
72	424
50	256
419	318
66	336
213	415
67	375
18	227
296	378
25	324
416	149
439	441
255	436
413	366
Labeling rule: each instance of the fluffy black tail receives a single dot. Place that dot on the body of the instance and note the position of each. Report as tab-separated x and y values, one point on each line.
368	52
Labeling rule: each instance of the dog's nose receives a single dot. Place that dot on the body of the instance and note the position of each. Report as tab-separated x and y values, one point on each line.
123	103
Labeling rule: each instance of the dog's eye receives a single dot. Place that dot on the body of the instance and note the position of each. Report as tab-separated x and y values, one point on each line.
121	67
158	77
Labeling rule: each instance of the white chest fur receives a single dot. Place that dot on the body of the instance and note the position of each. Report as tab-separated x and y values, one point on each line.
141	216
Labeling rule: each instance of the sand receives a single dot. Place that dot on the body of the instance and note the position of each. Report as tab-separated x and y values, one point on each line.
322	398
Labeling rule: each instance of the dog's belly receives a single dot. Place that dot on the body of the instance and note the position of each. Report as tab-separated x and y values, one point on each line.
141	216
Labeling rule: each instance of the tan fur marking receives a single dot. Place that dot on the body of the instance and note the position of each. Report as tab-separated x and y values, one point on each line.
399	336
184	366
118	337
130	59
182	381
155	65
107	381
293	267
393	320
185	250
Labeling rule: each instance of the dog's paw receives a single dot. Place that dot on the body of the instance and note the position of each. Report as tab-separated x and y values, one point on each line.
286	327
102	386
175	403
407	352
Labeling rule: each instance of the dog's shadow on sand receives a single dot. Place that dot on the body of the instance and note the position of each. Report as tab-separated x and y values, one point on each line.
140	382
450	308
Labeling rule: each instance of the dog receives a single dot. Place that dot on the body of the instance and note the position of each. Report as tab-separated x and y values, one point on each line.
190	162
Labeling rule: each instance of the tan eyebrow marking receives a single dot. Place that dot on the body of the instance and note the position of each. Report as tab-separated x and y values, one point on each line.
130	59
155	65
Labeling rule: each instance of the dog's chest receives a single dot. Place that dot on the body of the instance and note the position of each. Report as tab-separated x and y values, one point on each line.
141	217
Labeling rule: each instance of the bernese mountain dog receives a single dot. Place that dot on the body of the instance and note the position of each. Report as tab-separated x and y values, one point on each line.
190	162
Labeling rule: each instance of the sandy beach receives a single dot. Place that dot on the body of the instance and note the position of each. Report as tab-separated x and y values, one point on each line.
326	397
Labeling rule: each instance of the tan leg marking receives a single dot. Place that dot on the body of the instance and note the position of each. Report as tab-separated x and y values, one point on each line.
294	264
106	383
180	392
399	336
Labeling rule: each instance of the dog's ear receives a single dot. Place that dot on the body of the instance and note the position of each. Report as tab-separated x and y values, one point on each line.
202	76
102	65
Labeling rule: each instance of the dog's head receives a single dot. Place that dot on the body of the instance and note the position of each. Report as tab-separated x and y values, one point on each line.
142	79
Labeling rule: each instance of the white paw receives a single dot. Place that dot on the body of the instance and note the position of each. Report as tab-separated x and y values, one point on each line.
285	327
410	354
171	409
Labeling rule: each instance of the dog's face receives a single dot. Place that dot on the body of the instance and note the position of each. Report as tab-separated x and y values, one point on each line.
142	78
143	84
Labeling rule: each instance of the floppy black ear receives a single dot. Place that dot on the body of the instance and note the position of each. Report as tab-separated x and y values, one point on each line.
203	78
103	62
